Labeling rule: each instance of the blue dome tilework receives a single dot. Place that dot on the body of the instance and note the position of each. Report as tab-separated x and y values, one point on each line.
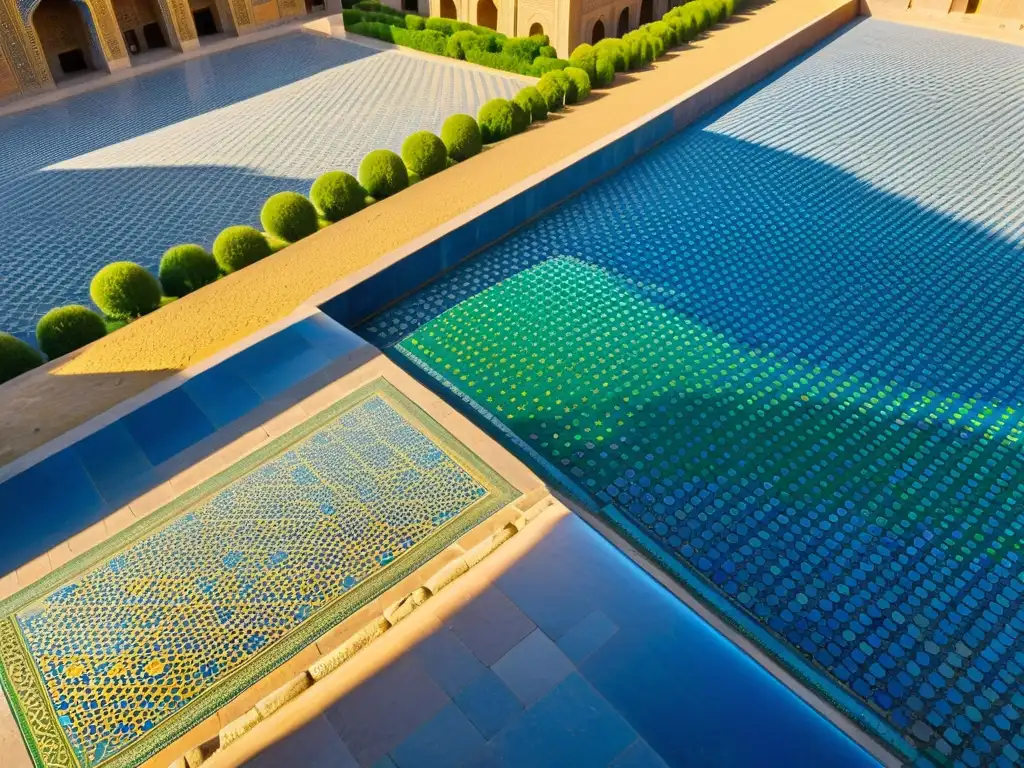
787	347
127	645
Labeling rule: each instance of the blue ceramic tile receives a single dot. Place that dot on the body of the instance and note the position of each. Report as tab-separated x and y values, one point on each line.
449	661
330	337
116	463
587	636
445	741
43	506
639	755
488	704
533	667
572	725
222	394
278	362
168	425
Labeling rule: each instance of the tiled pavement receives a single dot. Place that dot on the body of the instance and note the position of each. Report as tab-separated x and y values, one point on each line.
561	652
178	154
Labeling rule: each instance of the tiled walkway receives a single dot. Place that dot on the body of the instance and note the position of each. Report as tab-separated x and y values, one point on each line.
558	652
177	155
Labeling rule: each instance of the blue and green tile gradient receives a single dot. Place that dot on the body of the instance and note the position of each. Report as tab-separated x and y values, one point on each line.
783	351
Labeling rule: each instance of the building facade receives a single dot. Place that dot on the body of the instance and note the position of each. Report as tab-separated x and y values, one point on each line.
46	42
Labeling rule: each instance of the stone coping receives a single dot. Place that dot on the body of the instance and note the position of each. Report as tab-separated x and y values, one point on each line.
983	25
45	403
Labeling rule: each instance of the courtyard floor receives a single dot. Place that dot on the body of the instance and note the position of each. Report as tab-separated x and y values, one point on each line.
176	155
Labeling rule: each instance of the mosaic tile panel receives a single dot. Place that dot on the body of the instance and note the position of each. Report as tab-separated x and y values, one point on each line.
177	155
269	555
787	361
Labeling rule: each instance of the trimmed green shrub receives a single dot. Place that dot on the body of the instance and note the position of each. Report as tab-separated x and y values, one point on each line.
542	66
581	81
641	49
541	39
238	247
424	154
415	23
375	7
16	357
716	9
530	99
382	173
495	119
124	291
552	91
616	50
663	32
605	72
336	195
186	268
289	216
520	118
684	25
701	15
66	329
570	95
461	135
463	41
547	51
502	61
444	26
585	58
525	48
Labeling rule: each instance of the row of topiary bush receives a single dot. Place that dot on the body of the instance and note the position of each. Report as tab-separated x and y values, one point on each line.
534	56
531	56
125	291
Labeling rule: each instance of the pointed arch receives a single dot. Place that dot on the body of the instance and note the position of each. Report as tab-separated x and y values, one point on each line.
597	35
487	14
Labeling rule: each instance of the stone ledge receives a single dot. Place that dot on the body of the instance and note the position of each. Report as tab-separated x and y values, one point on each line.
375	628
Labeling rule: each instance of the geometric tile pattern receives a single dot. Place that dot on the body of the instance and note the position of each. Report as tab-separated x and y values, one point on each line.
790	366
176	155
124	646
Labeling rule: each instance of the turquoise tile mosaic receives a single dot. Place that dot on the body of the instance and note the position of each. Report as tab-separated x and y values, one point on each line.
176	155
120	652
783	353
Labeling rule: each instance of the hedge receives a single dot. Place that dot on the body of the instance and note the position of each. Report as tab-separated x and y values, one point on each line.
238	247
532	102
553	92
289	216
65	329
125	291
461	136
496	120
424	154
16	357
186	268
336	195
382	173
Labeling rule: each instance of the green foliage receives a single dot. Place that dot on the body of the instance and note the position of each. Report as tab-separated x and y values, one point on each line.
16	357
238	247
701	15
424	154
581	80
415	23
716	10
289	216
375	7
124	291
382	173
616	50
353	17
425	40
605	72
541	39
525	48
585	57
553	92
663	32
520	117
547	51
641	49
461	135
543	65
530	99
65	329
186	268
466	40
336	195
683	23
502	61
568	86
495	119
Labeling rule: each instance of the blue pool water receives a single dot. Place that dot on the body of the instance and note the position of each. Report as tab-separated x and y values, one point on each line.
125	172
782	352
